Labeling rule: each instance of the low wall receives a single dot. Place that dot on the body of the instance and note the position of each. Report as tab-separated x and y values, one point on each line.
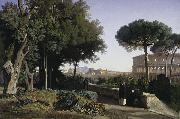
108	92
151	102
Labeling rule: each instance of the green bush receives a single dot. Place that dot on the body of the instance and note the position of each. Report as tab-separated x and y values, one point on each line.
70	83
161	88
115	82
81	102
88	94
175	97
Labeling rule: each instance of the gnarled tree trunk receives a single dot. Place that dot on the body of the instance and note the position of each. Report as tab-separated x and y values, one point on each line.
14	70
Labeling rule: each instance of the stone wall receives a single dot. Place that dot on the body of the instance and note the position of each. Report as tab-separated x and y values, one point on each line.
151	102
108	92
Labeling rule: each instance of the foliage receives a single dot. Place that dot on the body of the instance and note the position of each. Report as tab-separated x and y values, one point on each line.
88	94
114	82
141	34
34	30
70	83
167	46
74	101
68	34
175	98
66	100
46	101
1	53
47	97
161	88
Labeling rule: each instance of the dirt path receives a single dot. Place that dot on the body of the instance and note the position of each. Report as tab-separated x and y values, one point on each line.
114	111
134	113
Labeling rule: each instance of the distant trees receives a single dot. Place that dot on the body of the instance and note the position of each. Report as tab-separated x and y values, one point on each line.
141	34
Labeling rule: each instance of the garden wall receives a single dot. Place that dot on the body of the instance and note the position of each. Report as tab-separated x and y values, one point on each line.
109	92
151	102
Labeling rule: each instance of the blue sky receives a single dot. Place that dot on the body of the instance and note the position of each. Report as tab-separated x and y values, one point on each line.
115	13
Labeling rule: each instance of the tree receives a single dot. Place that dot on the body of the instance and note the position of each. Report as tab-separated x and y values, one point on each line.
20	28
37	31
27	26
14	20
169	48
68	36
1	53
163	47
85	46
142	34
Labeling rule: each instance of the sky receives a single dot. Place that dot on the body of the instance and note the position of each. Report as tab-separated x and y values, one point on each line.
115	13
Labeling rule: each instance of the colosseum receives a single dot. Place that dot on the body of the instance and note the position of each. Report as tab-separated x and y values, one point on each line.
156	64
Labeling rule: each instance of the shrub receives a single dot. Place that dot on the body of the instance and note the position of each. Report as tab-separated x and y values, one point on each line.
70	83
48	100
66	100
161	88
175	97
41	96
115	82
88	94
81	102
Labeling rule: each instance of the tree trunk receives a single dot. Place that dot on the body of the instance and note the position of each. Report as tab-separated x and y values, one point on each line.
75	68
15	69
29	79
49	76
172	60
166	65
166	68
45	68
146	62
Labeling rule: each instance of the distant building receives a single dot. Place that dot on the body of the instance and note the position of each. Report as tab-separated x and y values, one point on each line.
156	64
95	73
